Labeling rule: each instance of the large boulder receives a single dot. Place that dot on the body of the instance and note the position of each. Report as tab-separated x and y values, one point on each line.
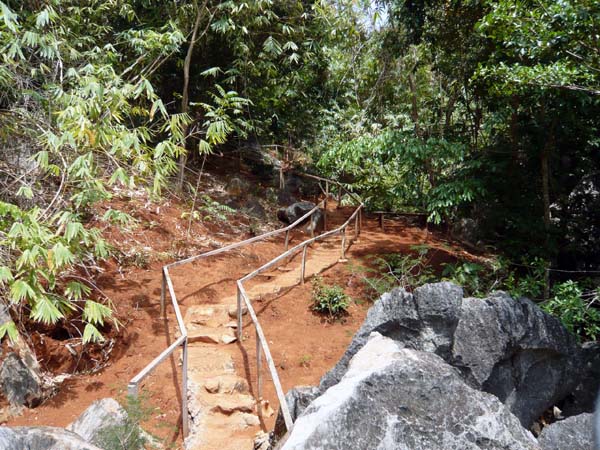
293	212
512	349
583	397
573	433
507	347
425	320
296	210
20	383
397	398
42	438
97	419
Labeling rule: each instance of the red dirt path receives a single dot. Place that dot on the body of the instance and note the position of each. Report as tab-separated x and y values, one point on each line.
304	346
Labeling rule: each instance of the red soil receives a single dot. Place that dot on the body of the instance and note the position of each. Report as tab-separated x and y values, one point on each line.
303	344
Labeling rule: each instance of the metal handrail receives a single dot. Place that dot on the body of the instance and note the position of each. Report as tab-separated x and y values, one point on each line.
167	284
260	337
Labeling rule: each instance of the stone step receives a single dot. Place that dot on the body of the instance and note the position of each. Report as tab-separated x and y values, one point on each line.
228	404
226	384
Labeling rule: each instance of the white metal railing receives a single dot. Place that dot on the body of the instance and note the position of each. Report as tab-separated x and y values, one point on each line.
261	343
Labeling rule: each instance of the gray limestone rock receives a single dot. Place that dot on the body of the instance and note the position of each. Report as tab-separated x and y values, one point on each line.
398	398
573	433
41	438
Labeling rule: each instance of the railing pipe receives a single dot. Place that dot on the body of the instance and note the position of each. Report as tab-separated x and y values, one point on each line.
239	314
184	390
262	346
259	380
303	270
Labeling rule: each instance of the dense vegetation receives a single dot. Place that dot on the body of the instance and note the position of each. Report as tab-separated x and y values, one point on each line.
479	110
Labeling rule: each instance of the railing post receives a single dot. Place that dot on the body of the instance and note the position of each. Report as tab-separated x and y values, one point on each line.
184	391
303	269
356	232
239	314
287	239
163	288
343	258
381	221
325	206
339	199
258	369
132	390
359	220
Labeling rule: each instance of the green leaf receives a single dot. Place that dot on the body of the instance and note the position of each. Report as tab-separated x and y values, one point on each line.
61	256
44	310
91	334
21	290
5	275
10	329
76	290
95	313
26	192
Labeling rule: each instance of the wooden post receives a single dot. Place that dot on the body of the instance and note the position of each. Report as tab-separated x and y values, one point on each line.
258	369
339	199
356	231
381	221
184	391
303	270
287	239
359	221
163	288
325	206
239	314
343	258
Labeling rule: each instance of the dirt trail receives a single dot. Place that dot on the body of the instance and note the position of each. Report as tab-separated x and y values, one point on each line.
225	412
303	345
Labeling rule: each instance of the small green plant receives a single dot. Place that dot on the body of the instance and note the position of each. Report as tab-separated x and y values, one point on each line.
305	360
329	300
128	435
575	309
210	210
529	284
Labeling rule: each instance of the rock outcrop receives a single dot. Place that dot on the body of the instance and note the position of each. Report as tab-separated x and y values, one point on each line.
100	416
20	383
42	438
504	346
573	433
398	398
296	210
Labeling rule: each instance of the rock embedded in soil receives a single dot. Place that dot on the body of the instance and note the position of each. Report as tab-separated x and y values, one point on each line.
504	346
42	438
99	417
20	384
573	433
398	398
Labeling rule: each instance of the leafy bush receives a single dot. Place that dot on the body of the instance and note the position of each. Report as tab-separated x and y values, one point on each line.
578	316
329	300
467	274
129	435
393	270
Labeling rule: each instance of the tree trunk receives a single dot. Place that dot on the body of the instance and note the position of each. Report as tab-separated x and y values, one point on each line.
185	95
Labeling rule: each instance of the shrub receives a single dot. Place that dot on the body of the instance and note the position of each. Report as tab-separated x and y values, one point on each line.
393	270
579	316
329	300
